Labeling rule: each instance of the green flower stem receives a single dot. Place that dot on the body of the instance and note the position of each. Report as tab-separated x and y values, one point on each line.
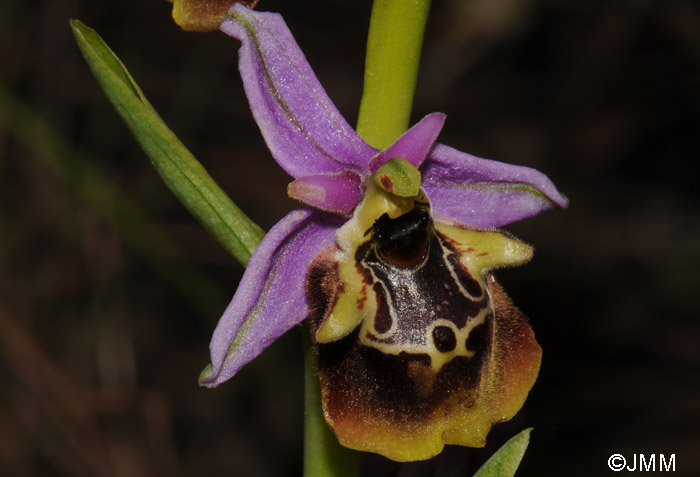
391	68
393	54
181	172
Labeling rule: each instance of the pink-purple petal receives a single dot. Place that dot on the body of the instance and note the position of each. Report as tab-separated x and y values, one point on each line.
483	193
337	192
414	144
271	297
303	129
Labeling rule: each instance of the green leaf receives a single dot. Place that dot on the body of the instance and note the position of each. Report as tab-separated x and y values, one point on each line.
182	173
506	460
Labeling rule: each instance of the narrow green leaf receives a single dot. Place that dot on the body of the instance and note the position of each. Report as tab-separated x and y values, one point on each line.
506	460
182	173
111	62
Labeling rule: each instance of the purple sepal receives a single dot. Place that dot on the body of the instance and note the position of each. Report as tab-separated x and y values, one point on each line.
482	193
339	192
271	297
302	127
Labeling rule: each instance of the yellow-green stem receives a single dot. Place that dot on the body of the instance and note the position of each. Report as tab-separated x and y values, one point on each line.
393	54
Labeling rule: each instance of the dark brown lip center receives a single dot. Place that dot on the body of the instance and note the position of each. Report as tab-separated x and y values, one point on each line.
403	241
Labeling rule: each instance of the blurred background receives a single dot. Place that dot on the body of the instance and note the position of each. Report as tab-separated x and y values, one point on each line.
109	290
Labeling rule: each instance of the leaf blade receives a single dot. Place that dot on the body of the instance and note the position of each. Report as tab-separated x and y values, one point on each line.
506	460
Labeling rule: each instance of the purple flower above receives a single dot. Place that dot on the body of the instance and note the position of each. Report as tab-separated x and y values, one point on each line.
349	190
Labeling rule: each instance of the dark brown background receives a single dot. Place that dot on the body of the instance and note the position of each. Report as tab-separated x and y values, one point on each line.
109	291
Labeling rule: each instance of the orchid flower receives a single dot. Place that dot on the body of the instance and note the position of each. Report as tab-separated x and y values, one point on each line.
391	257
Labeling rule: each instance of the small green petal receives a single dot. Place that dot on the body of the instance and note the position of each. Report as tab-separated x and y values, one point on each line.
398	176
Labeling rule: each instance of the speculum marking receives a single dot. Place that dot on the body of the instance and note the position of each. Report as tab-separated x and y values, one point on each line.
427	301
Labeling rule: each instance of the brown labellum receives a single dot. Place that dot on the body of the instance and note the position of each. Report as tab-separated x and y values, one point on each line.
443	359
